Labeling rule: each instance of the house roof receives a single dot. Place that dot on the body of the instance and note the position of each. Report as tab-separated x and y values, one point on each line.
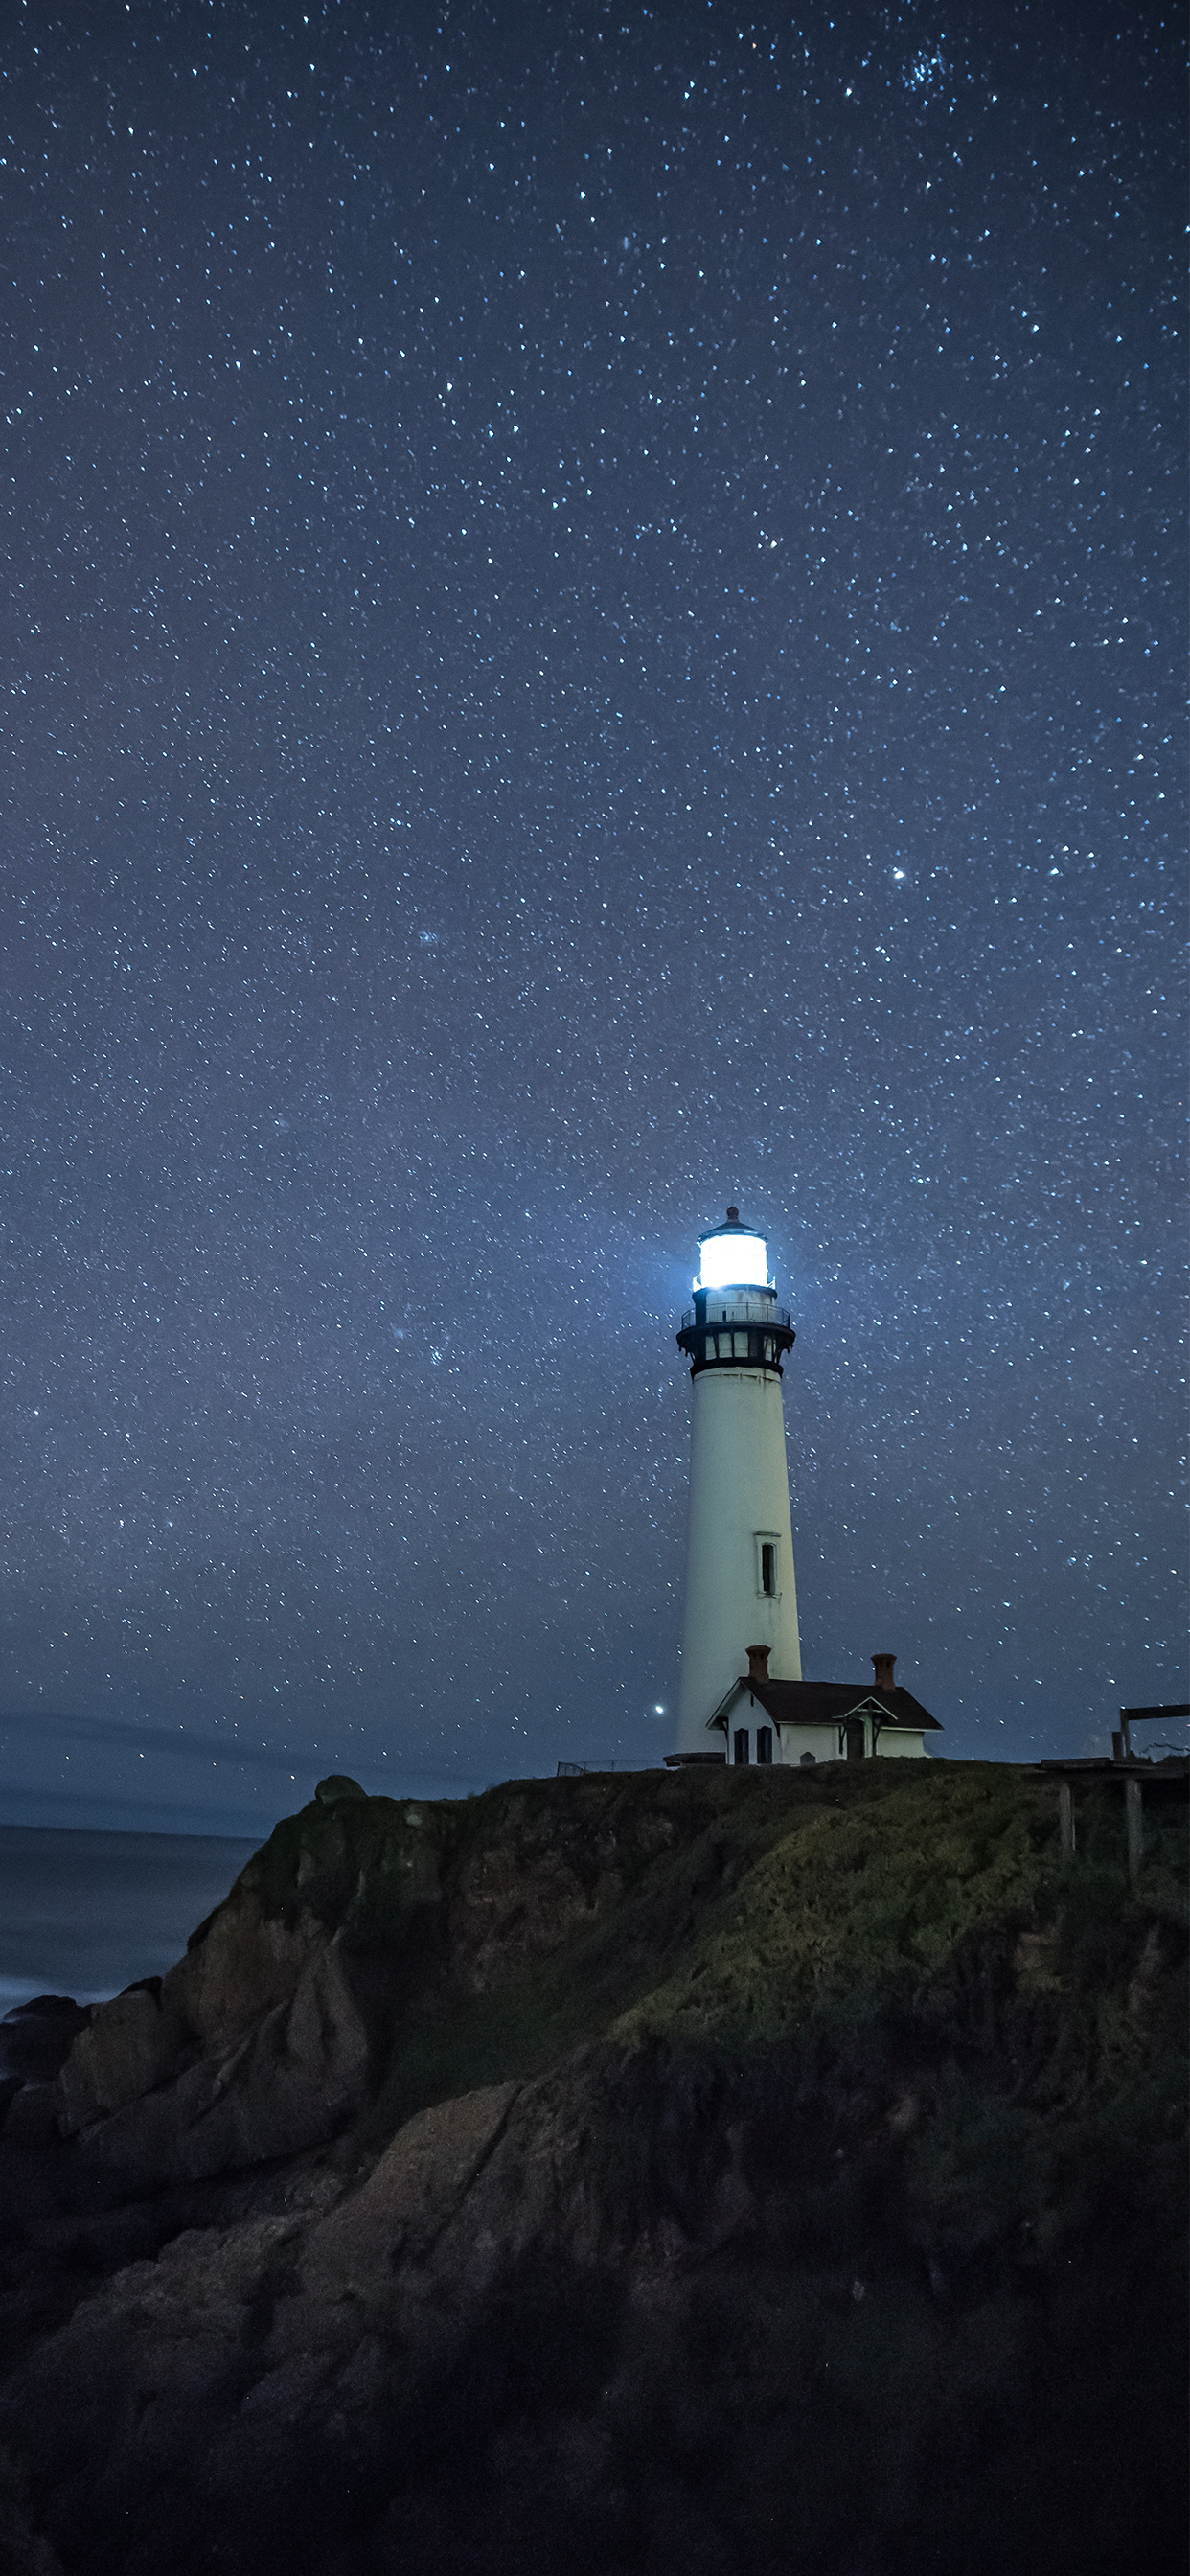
828	1703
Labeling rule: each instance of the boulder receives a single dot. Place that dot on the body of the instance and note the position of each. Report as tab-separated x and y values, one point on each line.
161	2099
35	2036
337	1786
128	2048
418	2184
32	2118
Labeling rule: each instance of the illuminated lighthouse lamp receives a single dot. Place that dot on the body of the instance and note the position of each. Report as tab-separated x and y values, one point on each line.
733	1257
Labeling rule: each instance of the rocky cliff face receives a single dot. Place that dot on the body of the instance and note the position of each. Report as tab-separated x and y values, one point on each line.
279	2022
707	2173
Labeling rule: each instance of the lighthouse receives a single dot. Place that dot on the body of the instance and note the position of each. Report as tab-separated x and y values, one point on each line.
743	1699
740	1594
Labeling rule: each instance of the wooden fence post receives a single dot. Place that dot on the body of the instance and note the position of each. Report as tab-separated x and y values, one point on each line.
1066	1815
1136	1828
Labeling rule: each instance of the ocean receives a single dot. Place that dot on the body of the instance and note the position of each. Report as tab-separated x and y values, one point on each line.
82	1913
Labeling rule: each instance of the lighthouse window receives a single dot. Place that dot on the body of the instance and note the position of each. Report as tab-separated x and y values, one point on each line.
764	1744
768	1566
741	1744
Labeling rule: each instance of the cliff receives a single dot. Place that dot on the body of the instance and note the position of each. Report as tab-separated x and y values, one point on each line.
721	2171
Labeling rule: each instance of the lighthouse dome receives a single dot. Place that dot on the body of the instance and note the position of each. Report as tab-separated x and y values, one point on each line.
733	1255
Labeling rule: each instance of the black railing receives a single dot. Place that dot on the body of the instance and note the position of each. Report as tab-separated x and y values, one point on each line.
780	1316
758	1346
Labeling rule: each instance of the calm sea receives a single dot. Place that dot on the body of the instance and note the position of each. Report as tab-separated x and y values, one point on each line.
82	1914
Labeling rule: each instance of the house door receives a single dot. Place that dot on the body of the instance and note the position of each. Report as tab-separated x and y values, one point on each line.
855	1739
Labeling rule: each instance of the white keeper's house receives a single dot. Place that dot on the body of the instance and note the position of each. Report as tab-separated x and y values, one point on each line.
742	1696
759	1720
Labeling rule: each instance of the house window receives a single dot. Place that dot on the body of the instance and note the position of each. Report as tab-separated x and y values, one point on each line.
741	1744
764	1744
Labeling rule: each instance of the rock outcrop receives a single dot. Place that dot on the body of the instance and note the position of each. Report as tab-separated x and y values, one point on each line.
255	2045
720	2175
35	2040
269	2035
35	2037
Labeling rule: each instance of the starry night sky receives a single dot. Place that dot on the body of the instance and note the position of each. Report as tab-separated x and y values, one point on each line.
591	600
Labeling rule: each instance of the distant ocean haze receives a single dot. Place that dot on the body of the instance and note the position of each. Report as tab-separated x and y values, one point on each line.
114	1775
84	1913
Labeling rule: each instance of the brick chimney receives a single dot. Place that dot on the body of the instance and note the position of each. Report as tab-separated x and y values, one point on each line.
758	1663
882	1667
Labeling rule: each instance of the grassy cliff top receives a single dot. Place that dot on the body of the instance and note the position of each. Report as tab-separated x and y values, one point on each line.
716	1906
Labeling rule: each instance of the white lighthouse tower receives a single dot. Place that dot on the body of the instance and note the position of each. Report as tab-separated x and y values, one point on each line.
739	1560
